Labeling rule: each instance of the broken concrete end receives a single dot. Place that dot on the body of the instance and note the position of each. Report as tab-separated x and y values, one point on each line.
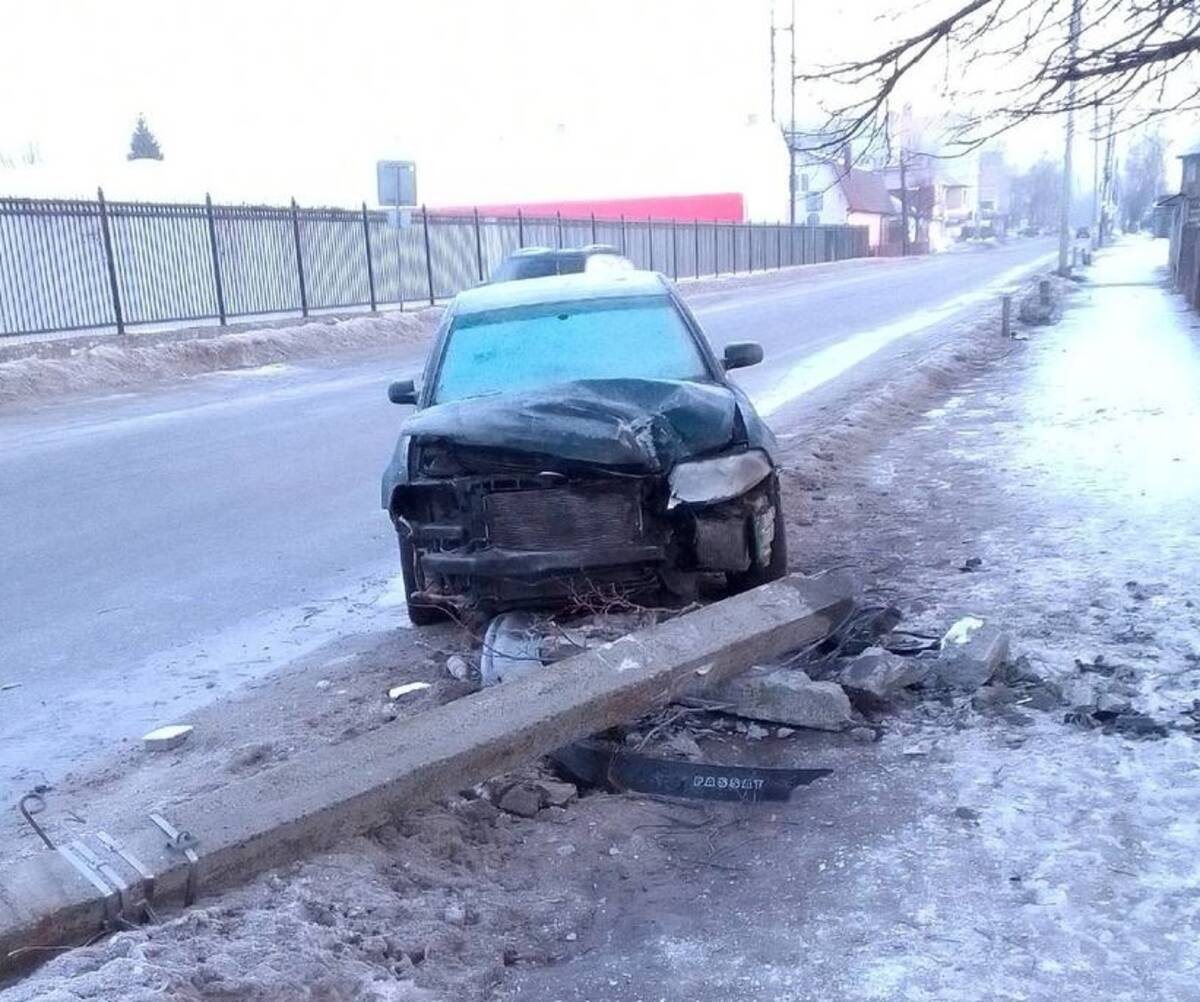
969	658
787	696
881	675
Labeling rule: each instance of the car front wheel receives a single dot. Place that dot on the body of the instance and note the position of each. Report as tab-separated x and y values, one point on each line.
420	614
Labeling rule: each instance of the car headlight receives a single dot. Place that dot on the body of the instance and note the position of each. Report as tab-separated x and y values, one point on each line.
710	481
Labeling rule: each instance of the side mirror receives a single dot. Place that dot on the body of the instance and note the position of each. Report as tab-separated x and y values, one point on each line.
403	391
740	354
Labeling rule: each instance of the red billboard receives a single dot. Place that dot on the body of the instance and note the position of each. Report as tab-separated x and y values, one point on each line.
725	207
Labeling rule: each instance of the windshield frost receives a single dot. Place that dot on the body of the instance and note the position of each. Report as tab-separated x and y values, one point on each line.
526	347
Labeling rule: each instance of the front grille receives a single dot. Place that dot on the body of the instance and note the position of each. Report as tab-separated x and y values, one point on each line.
557	518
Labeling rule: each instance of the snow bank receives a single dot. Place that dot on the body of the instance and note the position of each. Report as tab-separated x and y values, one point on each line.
114	363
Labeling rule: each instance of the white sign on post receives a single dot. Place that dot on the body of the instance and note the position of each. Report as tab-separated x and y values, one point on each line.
397	189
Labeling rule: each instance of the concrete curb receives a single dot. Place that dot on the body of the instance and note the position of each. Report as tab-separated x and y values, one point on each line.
309	802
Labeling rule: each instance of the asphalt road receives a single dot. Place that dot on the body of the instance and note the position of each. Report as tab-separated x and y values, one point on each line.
161	548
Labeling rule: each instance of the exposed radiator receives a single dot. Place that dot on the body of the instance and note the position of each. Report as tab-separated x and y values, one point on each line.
571	517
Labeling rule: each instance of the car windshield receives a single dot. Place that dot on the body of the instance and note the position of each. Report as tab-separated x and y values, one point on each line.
526	347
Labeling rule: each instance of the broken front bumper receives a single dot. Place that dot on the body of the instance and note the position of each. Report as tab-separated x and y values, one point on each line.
510	540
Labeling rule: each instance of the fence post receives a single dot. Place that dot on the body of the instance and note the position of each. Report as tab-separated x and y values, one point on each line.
593	227
370	266
216	260
558	219
299	259
478	243
733	231
623	235
520	229
674	249
650	239
696	225
716	248
110	261
778	246
428	256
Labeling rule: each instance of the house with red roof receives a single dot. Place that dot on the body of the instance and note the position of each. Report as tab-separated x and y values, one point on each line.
830	192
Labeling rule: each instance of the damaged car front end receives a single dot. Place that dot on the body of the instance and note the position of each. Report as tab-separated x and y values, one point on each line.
515	484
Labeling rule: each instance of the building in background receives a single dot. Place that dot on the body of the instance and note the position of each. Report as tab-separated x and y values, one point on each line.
834	192
993	199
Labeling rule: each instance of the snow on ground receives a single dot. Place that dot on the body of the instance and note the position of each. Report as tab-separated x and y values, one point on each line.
976	852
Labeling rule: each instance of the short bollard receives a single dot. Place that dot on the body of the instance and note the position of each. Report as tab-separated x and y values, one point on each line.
1044	291
1006	316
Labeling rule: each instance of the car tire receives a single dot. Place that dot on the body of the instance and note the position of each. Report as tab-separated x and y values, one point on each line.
419	615
777	567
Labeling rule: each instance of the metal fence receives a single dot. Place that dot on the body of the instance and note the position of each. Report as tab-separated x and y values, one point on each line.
76	265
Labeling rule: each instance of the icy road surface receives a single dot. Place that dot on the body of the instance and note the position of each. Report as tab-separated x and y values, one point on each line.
162	548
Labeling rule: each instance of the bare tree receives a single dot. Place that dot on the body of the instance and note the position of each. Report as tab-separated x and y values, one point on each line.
1010	61
1145	178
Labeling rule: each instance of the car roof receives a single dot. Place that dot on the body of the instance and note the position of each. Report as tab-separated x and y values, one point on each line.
587	250
559	289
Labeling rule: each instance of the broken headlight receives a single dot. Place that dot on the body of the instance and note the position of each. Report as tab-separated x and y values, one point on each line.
710	481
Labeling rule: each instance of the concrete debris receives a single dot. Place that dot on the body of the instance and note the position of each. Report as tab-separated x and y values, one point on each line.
457	667
971	653
323	684
787	696
881	675
522	799
1116	716
526	797
556	793
756	733
682	745
864	735
785	732
407	689
167	738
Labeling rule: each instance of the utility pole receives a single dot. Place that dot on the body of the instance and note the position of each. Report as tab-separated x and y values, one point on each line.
1107	217
773	117
903	207
1064	217
1096	217
792	124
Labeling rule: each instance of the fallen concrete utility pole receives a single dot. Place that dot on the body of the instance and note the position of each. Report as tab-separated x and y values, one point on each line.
224	836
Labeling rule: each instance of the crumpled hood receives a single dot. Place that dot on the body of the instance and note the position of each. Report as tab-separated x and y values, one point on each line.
648	424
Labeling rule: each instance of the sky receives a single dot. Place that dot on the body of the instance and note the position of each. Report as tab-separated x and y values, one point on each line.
260	100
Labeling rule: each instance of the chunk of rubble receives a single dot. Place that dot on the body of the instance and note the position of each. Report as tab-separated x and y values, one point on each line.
971	653
682	745
881	675
167	738
525	798
521	799
786	696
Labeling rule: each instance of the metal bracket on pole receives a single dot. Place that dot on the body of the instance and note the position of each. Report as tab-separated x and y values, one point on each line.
183	842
